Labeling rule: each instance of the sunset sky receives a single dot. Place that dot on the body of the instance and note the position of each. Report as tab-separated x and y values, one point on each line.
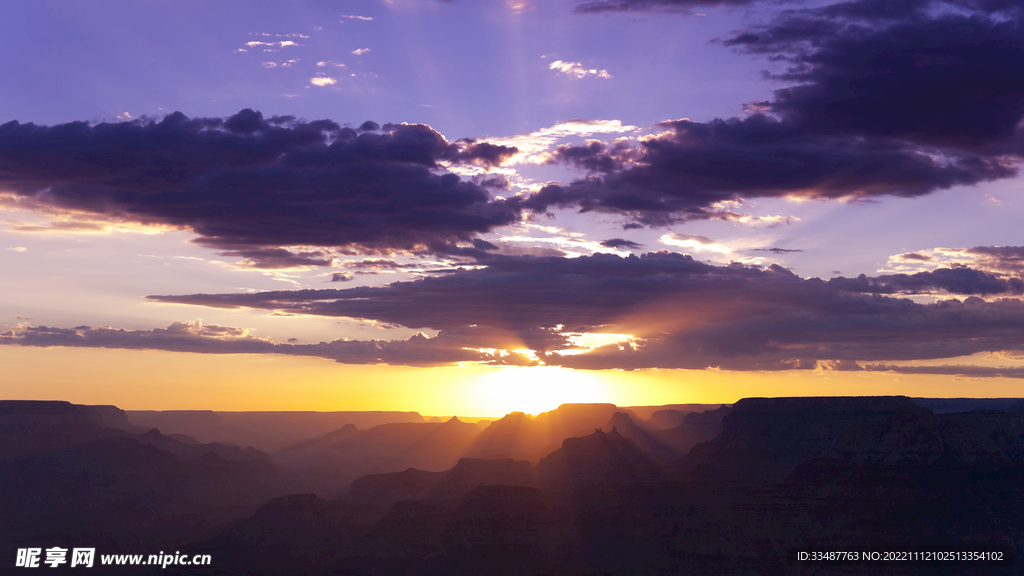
478	207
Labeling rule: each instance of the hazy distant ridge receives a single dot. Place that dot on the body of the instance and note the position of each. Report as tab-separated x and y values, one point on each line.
269	431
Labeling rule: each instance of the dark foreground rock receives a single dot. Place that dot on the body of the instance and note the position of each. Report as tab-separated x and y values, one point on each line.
782	475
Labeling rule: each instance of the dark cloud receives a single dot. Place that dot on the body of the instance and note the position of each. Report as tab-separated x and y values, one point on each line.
278	258
511	292
342	277
913	70
498	182
685	172
915	257
683	313
247	183
966	370
854	330
1006	259
776	250
482	153
595	156
383	265
957	279
882	98
196	337
484	245
378	264
620	243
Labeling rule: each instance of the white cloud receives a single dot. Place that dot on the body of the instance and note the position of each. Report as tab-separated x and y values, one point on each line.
280	44
933	258
694	242
573	244
577	70
323	81
354	17
270	64
18	249
533	147
769	220
360	51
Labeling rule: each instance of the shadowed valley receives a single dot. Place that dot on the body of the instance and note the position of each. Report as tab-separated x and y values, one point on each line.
583	489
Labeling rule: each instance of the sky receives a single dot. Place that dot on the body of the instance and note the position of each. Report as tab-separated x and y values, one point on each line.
479	207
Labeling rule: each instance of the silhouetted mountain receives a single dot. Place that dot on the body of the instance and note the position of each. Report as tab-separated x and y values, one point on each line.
663	419
111	417
412	484
343	456
645	413
267	431
520	437
954	405
28	427
193	450
440	449
921	437
505	530
471	473
386	489
299	533
783	474
695	428
63	472
121	491
817	474
642	439
515	436
569	420
312	447
599	458
765	438
61	413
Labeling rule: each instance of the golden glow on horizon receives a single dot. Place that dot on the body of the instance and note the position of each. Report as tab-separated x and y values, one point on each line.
153	380
537	389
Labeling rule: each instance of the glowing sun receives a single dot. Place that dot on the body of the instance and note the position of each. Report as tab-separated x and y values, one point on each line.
537	389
